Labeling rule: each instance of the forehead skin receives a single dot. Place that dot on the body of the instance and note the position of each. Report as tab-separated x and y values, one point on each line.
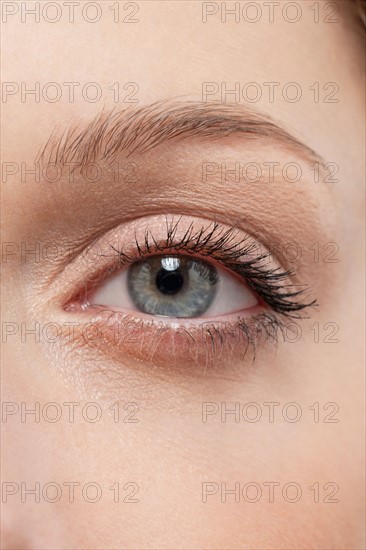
169	53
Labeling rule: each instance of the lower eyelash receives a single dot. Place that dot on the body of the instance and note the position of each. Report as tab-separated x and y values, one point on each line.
208	344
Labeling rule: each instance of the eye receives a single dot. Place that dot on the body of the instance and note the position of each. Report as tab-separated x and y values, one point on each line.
175	286
188	291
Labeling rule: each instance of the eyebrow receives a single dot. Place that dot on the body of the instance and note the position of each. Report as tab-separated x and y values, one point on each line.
138	130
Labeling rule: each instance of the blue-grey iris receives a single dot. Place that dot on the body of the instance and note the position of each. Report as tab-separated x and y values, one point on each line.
173	286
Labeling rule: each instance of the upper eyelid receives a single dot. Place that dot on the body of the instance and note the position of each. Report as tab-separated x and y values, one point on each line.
62	279
104	245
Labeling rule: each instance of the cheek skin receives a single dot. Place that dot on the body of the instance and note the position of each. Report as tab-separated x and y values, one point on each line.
200	349
181	451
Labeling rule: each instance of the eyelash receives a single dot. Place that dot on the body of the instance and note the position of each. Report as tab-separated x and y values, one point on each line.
215	243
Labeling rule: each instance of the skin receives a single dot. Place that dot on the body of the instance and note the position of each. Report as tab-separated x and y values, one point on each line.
171	452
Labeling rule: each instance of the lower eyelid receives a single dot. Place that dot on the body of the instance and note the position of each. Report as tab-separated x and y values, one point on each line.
183	344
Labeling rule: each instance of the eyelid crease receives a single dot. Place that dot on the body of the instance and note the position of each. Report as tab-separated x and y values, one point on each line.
86	243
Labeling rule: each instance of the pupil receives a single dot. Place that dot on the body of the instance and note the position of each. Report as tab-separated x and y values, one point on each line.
169	282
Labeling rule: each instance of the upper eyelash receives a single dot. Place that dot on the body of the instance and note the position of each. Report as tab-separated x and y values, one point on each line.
217	243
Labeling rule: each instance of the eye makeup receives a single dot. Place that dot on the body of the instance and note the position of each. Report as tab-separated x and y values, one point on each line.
195	339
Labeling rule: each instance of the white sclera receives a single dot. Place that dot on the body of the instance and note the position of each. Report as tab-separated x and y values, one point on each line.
231	295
